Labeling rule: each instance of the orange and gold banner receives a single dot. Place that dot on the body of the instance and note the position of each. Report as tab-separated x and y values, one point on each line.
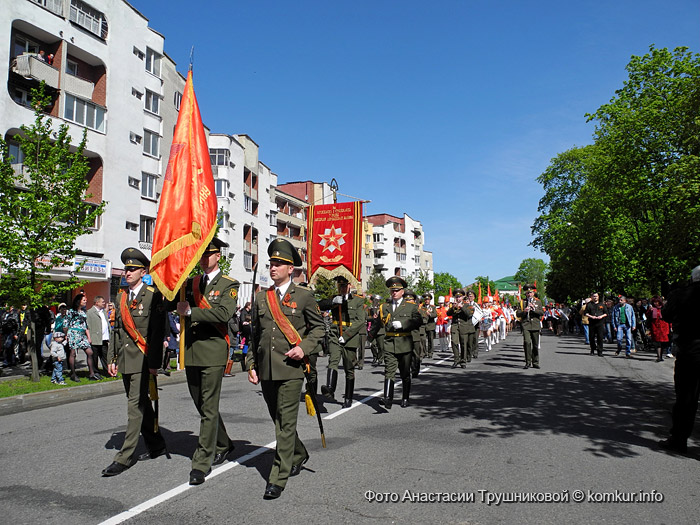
334	241
186	220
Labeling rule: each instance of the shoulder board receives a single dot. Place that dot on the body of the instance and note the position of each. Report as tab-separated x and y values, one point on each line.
150	288
229	278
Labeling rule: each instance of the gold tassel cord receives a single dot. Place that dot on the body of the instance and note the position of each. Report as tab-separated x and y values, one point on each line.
309	405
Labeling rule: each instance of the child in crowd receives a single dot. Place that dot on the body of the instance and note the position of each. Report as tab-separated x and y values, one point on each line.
58	355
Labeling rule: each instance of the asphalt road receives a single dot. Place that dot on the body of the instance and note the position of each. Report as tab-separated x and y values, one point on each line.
483	437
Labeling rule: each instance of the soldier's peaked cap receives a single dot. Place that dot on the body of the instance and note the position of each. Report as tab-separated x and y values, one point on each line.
134	258
341	280
283	250
395	283
410	293
427	295
459	292
215	246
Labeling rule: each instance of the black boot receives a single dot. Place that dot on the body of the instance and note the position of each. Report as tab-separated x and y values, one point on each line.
349	389
388	398
415	368
328	389
406	391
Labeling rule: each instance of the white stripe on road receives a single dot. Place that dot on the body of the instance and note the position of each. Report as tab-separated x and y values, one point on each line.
162	498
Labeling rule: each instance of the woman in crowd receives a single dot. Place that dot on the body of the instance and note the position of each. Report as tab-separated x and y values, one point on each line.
75	325
660	329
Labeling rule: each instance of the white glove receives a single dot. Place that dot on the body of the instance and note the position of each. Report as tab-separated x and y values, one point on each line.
338	299
341	340
396	324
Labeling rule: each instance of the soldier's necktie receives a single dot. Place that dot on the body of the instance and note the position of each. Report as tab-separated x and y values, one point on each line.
203	283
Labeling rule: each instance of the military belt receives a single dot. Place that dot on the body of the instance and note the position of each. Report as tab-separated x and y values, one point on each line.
398	334
343	323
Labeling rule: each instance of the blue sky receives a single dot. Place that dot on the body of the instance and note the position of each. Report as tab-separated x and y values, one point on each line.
445	110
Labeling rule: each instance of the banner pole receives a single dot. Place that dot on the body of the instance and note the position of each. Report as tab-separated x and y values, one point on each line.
181	360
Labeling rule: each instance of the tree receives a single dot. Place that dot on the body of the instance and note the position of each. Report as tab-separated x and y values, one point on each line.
423	283
444	282
324	288
376	285
532	270
43	210
627	208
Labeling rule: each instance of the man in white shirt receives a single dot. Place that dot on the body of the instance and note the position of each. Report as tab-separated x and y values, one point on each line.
99	324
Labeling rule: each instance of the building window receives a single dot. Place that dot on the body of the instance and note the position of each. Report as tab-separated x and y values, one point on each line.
377	237
71	67
22	46
248	260
219	157
134	138
84	113
177	98
55	6
138	53
88	18
148	185
368	238
150	143
16	153
134	182
148	224
153	62
132	226
221	187
152	102
273	218
248	204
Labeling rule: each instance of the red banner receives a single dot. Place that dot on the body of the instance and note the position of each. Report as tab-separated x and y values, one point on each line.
186	220
334	241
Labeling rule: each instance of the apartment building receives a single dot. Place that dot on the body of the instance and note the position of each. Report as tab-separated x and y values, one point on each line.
398	245
290	218
106	72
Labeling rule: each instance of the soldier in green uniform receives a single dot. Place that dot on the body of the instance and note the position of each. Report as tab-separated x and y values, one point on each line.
530	316
349	316
400	318
136	350
417	335
211	300
376	332
469	308
362	336
431	313
288	326
461	329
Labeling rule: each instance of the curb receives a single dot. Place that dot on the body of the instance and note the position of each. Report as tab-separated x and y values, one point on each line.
52	398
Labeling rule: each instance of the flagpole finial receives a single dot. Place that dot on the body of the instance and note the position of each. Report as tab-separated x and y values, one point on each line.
191	58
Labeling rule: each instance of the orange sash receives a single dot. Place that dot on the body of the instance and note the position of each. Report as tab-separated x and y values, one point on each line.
202	302
130	326
282	322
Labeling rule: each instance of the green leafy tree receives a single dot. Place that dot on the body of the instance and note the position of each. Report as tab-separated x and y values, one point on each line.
324	288
623	214
532	270
423	283
486	284
443	281
376	285
43	210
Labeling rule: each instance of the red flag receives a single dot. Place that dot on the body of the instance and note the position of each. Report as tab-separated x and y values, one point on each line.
488	289
449	297
496	298
479	300
334	241
186	220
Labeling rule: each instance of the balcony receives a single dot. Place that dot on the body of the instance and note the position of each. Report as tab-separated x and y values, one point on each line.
379	264
29	66
379	247
78	86
55	6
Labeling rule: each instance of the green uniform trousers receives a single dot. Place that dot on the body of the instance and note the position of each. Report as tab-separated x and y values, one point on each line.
531	342
282	398
429	338
349	356
459	346
140	419
377	346
400	361
204	383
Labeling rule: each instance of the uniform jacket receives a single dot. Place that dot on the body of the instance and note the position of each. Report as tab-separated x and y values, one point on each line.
399	340
206	329
270	344
150	320
354	317
94	323
531	320
462	318
432	315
